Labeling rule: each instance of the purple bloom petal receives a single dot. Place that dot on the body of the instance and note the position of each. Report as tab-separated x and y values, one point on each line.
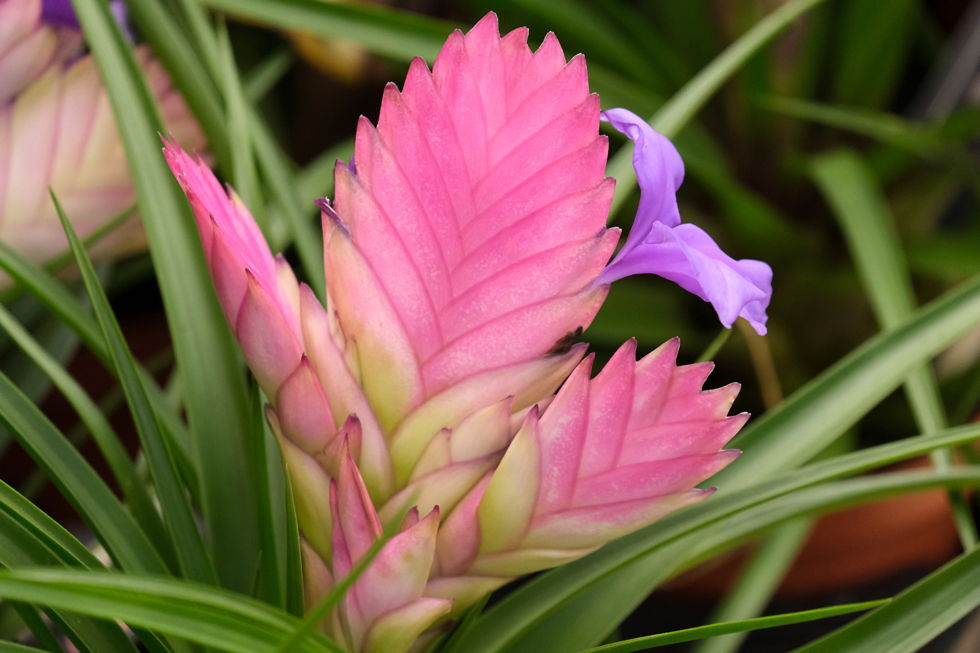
59	12
62	14
659	244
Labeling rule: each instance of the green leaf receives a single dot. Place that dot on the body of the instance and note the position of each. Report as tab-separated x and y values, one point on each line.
177	514
216	398
757	582
7	647
267	73
275	168
112	450
915	616
871	49
19	548
271	480
63	304
863	214
389	32
34	621
244	177
885	127
294	560
827	406
714	630
210	616
78	482
189	74
63	545
620	572
685	104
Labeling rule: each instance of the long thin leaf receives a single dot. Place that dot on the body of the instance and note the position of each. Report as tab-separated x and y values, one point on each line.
827	406
244	177
273	568
862	211
915	616
78	482
64	546
189	75
389	32
35	623
685	104
109	444
19	548
714	630
757	582
186	539
216	398
216	618
266	74
66	307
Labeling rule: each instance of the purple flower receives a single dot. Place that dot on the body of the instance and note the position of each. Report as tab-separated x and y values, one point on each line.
659	244
61	13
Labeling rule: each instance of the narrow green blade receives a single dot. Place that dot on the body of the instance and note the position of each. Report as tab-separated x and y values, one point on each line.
390	32
863	214
186	539
714	630
685	104
105	437
915	616
216	398
216	618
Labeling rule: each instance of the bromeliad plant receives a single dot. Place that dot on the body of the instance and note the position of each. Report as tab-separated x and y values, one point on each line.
425	426
465	252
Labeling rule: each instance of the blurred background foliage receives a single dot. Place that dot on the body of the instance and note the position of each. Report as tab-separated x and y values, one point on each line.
860	108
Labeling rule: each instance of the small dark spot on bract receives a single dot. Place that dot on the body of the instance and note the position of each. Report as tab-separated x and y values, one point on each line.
564	344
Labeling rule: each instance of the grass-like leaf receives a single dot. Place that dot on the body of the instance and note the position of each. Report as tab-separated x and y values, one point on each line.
827	406
217	618
216	397
714	630
389	32
683	106
63	545
758	580
271	480
105	437
244	177
78	482
177	513
913	617
19	548
67	308
863	214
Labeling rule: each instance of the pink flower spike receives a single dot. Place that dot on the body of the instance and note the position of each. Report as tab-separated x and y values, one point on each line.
659	244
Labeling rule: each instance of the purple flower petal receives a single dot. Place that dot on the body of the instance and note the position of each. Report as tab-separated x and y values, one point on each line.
59	12
659	244
62	14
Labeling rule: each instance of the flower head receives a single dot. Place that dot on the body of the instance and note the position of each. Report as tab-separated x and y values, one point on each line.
464	256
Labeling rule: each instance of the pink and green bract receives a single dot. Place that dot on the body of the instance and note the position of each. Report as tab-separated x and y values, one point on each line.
465	252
